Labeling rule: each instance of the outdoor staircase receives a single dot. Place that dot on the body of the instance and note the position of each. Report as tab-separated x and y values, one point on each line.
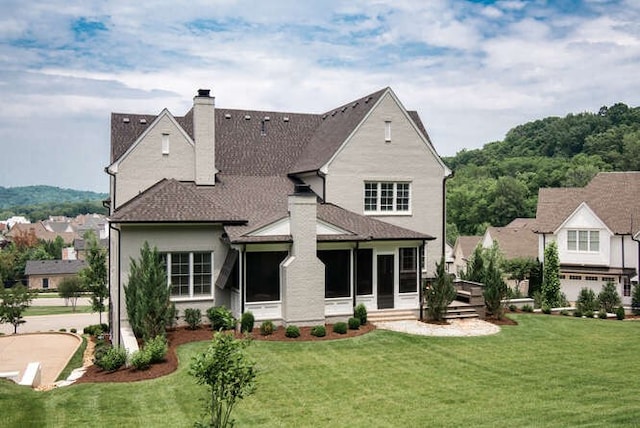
383	315
460	310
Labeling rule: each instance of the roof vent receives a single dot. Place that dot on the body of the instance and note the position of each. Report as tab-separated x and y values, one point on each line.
227	116
333	113
285	119
354	105
143	121
368	99
267	118
247	117
343	109
125	120
324	116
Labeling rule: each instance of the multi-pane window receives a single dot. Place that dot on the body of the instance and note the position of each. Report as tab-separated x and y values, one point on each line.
189	274
387	197
583	240
408	270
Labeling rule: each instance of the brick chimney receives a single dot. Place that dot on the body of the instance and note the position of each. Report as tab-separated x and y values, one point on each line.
204	134
303	272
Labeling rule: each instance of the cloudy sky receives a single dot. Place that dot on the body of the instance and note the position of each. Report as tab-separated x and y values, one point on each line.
473	69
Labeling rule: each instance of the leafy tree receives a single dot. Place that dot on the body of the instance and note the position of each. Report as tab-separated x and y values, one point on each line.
551	276
13	303
608	298
54	248
440	294
70	289
147	294
519	269
94	276
229	375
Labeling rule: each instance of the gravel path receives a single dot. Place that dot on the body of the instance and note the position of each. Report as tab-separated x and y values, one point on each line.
455	328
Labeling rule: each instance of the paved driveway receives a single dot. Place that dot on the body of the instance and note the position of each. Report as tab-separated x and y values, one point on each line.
52	350
43	323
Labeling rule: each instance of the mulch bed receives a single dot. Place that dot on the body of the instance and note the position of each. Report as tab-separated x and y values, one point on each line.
182	335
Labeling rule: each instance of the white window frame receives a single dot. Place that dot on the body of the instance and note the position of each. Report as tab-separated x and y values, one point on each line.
191	295
394	203
387	131
165	143
591	243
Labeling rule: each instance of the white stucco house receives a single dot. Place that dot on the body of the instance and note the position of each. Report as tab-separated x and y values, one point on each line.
296	217
597	229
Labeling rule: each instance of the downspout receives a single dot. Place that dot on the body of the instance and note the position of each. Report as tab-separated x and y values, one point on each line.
243	277
420	293
112	208
355	273
444	210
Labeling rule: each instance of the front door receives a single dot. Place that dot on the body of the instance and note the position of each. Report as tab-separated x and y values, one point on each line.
385	281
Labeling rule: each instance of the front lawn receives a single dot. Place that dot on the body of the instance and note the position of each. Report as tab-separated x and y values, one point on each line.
55	310
547	371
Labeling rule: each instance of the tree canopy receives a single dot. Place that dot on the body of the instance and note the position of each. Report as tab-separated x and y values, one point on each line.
500	182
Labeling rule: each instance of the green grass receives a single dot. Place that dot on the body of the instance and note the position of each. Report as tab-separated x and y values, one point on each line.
55	310
547	371
75	361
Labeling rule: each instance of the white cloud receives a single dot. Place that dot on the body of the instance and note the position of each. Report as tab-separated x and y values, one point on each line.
473	71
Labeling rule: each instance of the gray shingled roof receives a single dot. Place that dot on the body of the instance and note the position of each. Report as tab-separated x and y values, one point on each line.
53	267
613	197
250	202
517	239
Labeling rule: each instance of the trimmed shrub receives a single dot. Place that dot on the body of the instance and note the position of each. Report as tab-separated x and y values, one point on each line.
292	331
221	318
577	313
608	298
73	330
513	308
527	308
157	349
112	359
620	313
546	309
267	328
193	318
360	312
340	327
354	323
95	329
602	314
141	360
586	301
62	330
589	314
564	312
319	331
172	316
246	322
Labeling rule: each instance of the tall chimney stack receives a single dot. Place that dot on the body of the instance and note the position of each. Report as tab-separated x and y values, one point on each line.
204	134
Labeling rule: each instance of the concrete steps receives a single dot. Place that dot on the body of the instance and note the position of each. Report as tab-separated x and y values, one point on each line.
391	315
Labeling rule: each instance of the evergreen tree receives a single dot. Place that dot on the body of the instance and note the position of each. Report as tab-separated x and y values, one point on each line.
551	276
440	294
147	294
94	276
495	289
475	266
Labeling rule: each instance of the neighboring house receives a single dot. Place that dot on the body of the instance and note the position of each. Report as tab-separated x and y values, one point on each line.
40	231
45	274
597	229
516	240
80	247
295	217
462	250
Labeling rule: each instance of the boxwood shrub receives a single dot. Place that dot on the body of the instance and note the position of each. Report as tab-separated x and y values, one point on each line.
112	359
354	323
221	318
340	327
141	360
360	312
246	322
193	318
267	328
292	331
157	349
319	331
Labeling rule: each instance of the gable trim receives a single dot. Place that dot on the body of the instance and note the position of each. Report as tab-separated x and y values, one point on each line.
113	168
583	205
388	91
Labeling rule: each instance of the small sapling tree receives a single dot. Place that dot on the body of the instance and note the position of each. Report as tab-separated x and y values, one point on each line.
94	276
229	375
13	302
70	289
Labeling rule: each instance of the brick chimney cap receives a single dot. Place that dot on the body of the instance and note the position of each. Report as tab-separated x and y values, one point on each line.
204	92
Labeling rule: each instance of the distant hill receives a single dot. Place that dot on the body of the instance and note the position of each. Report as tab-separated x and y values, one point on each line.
37	195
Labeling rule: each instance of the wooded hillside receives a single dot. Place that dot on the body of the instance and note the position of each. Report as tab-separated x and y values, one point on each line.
39	202
495	184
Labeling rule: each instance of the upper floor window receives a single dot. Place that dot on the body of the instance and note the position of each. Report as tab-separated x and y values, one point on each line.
387	197
165	144
583	240
387	131
189	274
